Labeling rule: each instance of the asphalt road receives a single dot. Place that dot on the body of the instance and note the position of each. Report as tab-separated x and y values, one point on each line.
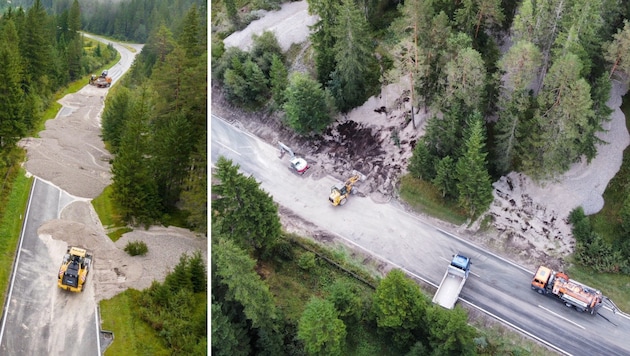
40	318
127	52
496	286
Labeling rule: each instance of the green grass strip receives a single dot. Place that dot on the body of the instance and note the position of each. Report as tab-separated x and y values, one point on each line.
132	336
109	216
423	196
614	286
11	227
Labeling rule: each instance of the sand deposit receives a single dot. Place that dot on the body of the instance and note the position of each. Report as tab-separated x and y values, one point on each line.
71	155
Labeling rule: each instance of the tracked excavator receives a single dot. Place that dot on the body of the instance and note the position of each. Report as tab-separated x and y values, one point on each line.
298	164
74	269
339	193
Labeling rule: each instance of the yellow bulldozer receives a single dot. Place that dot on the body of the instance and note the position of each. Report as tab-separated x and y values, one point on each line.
339	193
74	269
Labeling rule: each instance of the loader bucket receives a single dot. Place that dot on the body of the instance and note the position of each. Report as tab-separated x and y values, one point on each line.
362	176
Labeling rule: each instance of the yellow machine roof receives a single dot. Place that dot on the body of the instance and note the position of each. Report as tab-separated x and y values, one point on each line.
77	251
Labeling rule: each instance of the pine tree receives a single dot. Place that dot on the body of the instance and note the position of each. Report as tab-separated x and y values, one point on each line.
36	48
118	107
445	179
228	338
232	12
177	124
428	83
190	38
618	50
198	273
180	278
465	79
547	25
235	270
278	80
520	65
243	211
74	41
13	124
445	134
171	147
308	107
564	118
353	76
194	197
322	37
489	12
320	328
264	48
74	19
421	163
246	84
133	187
509	129
474	185
523	23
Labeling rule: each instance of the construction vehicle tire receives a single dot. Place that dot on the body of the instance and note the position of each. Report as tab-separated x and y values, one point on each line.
342	201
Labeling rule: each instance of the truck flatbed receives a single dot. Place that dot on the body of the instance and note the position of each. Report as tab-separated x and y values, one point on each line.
449	290
452	282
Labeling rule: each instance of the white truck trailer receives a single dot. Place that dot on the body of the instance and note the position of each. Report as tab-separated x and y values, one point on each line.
453	282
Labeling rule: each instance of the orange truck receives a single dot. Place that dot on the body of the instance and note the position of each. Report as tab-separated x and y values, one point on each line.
103	81
572	293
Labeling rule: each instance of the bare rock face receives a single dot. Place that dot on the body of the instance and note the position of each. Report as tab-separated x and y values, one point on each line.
519	216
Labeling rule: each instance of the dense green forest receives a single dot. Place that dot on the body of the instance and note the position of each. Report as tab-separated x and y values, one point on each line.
155	123
136	20
128	20
177	308
508	85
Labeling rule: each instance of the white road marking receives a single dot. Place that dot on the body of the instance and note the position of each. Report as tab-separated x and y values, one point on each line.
16	262
227	147
98	329
561	317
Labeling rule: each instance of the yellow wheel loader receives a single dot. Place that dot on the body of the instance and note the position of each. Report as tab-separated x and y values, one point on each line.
339	193
74	269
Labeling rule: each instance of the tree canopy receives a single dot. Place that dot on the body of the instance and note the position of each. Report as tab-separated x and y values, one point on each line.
156	122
